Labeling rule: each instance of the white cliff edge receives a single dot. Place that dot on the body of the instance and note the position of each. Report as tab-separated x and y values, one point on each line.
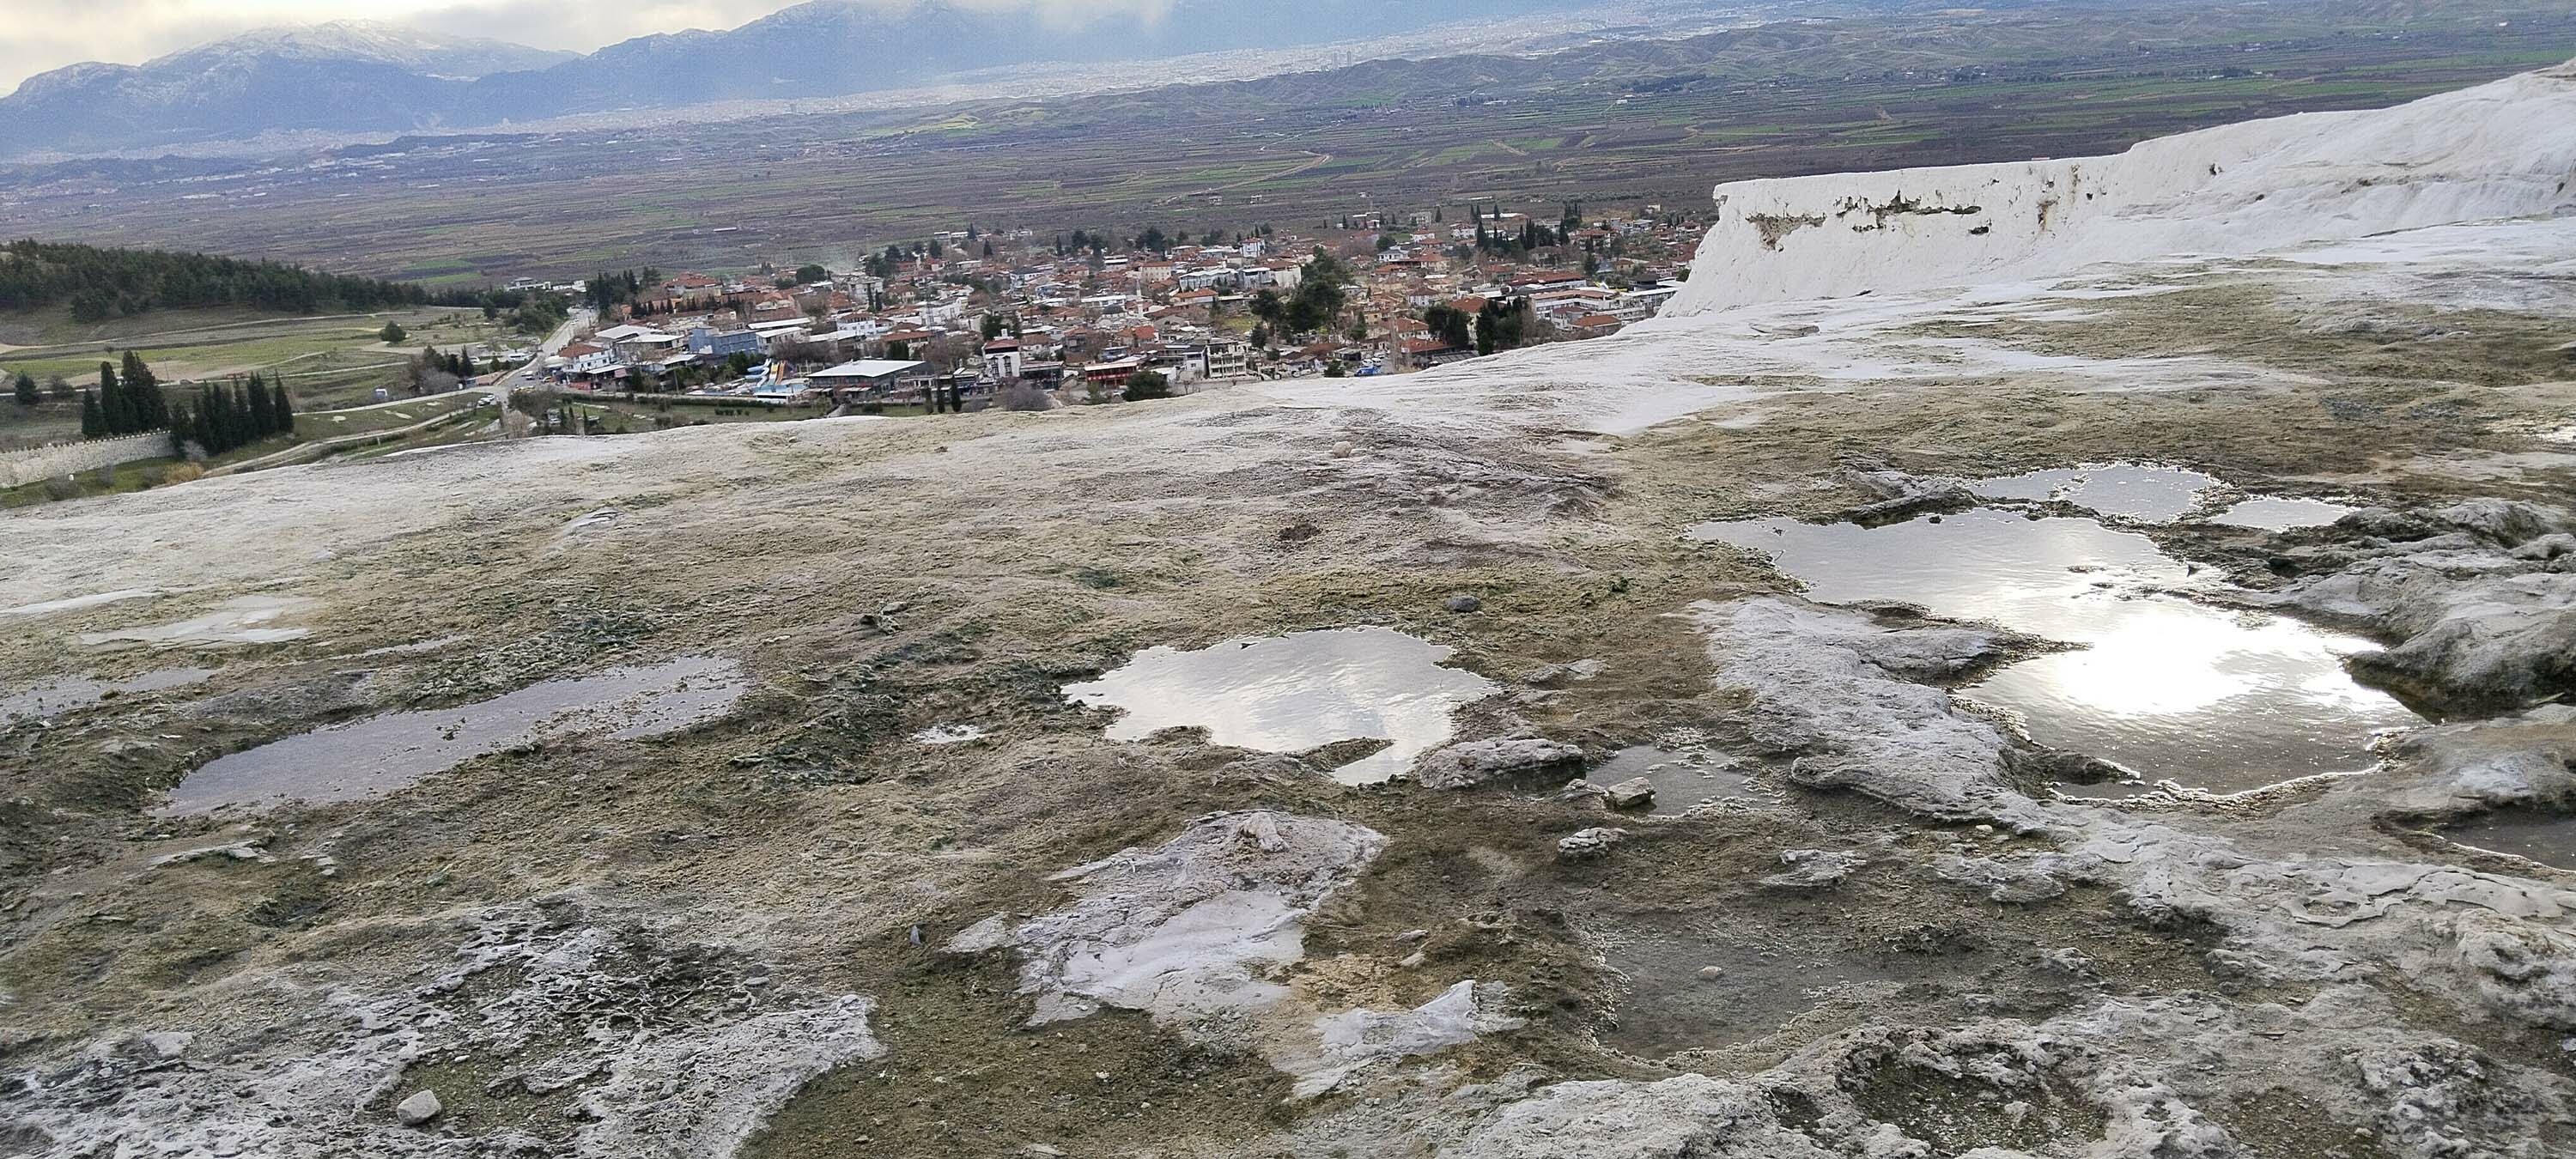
2501	150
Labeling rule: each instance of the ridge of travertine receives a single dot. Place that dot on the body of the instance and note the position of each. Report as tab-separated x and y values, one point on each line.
2501	150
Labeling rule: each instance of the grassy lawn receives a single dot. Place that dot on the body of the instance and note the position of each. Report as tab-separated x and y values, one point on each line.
313	424
327	360
49	421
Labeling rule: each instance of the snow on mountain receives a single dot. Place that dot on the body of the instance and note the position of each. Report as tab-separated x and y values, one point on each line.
370	41
2502	150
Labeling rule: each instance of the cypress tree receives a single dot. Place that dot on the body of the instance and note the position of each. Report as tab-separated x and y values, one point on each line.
93	418
255	395
143	393
111	401
236	421
203	419
219	416
281	408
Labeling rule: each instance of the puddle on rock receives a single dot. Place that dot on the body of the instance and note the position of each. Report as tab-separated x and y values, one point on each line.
2547	838
76	603
2270	514
1293	693
2126	490
948	734
2216	700
76	692
378	755
240	620
1681	780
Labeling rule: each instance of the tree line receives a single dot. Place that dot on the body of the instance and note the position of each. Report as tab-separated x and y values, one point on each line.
125	403
101	283
1498	325
229	416
223	416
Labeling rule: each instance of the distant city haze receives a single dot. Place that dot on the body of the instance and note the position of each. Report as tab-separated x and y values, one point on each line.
41	35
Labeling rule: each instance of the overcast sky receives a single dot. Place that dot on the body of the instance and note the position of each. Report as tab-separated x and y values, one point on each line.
37	35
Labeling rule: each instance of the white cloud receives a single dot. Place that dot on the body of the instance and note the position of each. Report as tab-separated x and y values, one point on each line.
39	35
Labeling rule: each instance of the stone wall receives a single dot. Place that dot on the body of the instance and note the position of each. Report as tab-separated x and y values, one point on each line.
19	468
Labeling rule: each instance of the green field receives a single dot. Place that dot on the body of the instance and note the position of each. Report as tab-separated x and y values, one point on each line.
328	361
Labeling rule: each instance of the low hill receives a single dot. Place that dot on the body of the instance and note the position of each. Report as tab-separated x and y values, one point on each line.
98	283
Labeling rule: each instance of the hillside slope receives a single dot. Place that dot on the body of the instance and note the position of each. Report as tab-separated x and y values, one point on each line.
2506	149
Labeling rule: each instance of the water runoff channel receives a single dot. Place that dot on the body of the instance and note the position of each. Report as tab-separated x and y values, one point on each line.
2166	687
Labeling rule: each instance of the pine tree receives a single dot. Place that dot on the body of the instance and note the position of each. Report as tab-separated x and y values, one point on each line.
281	408
26	389
93	418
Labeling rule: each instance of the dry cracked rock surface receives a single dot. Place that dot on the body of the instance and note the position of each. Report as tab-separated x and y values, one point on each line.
883	890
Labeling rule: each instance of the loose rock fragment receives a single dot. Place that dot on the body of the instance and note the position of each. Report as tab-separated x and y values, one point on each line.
1465	766
1814	868
420	1108
1589	845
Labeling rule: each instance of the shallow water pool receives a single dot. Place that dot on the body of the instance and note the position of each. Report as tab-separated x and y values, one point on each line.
1296	692
376	756
2169	688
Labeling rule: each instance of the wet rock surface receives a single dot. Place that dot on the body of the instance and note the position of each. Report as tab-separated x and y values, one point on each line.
900	895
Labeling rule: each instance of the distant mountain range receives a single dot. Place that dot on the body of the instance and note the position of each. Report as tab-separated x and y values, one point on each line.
366	77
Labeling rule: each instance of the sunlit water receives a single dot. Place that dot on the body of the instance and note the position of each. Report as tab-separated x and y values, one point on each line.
1296	692
2128	490
378	755
2282	514
2169	688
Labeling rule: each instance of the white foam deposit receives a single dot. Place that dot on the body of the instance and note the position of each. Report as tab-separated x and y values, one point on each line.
2501	150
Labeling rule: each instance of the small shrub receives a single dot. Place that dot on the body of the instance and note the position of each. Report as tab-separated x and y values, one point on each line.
1146	384
62	488
1025	397
182	473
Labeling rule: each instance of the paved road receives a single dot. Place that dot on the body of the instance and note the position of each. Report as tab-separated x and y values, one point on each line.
582	319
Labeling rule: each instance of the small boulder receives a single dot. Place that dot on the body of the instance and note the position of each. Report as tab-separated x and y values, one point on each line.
1589	845
420	1108
1813	869
1473	763
1633	793
1464	603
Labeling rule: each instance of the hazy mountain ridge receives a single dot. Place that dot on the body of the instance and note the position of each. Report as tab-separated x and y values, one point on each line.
362	76
348	75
